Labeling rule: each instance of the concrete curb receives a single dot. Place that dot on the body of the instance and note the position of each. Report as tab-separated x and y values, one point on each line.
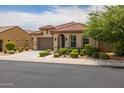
97	62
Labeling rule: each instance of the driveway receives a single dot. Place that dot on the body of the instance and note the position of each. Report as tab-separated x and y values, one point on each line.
24	74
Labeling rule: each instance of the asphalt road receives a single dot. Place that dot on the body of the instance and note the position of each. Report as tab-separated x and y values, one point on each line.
39	75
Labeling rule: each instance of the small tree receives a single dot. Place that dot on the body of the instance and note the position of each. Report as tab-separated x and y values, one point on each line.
10	45
108	26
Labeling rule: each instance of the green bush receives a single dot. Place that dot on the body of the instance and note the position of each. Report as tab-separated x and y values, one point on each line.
74	54
56	54
20	49
75	50
62	51
26	48
118	49
10	46
43	53
95	55
82	52
11	51
103	56
90	50
5	51
49	50
67	52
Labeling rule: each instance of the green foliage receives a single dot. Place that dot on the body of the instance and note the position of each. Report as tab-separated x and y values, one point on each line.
56	54
75	50
10	45
11	51
74	54
82	52
20	49
62	51
90	50
49	50
43	53
95	55
119	48
26	48
108	26
67	52
103	56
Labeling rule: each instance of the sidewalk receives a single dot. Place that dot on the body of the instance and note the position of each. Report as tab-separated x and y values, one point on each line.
31	56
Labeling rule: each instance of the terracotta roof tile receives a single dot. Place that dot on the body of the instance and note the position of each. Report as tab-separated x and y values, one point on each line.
4	28
47	27
70	27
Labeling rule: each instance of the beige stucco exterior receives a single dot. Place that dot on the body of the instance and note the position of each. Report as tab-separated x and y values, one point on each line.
17	35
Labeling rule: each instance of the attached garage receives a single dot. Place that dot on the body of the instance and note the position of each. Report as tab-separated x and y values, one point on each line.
45	43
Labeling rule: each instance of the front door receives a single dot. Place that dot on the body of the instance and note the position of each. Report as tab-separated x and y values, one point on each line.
1	44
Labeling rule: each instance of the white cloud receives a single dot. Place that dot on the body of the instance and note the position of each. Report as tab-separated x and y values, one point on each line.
57	16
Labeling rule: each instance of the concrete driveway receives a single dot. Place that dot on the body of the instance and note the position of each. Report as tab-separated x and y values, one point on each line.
28	55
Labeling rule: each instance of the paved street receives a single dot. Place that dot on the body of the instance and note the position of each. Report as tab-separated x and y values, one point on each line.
24	74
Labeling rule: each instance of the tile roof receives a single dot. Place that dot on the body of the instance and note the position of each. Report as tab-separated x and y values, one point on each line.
47	27
5	28
70	27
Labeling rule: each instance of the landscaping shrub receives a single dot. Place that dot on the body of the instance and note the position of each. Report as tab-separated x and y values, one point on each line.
11	51
74	54
75	50
62	51
5	51
118	49
43	53
26	48
95	55
90	50
20	49
49	50
103	56
82	52
67	52
56	54
10	46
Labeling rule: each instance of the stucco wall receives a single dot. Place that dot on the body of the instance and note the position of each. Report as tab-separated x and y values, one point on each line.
18	36
67	40
35	41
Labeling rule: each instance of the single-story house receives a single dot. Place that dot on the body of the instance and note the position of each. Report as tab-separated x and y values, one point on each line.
15	34
67	35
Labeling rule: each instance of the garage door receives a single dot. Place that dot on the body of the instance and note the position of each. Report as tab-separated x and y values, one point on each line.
45	43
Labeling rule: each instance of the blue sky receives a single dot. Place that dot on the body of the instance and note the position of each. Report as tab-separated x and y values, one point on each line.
34	8
34	16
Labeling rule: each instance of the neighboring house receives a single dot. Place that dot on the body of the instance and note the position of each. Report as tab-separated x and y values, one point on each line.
67	35
15	34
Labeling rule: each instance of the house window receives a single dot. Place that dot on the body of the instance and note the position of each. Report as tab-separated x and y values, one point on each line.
85	41
73	41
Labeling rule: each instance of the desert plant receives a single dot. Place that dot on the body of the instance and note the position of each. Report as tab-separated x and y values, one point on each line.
56	54
11	51
74	54
43	53
26	48
62	51
20	49
82	52
103	56
95	55
75	50
49	50
10	45
90	50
